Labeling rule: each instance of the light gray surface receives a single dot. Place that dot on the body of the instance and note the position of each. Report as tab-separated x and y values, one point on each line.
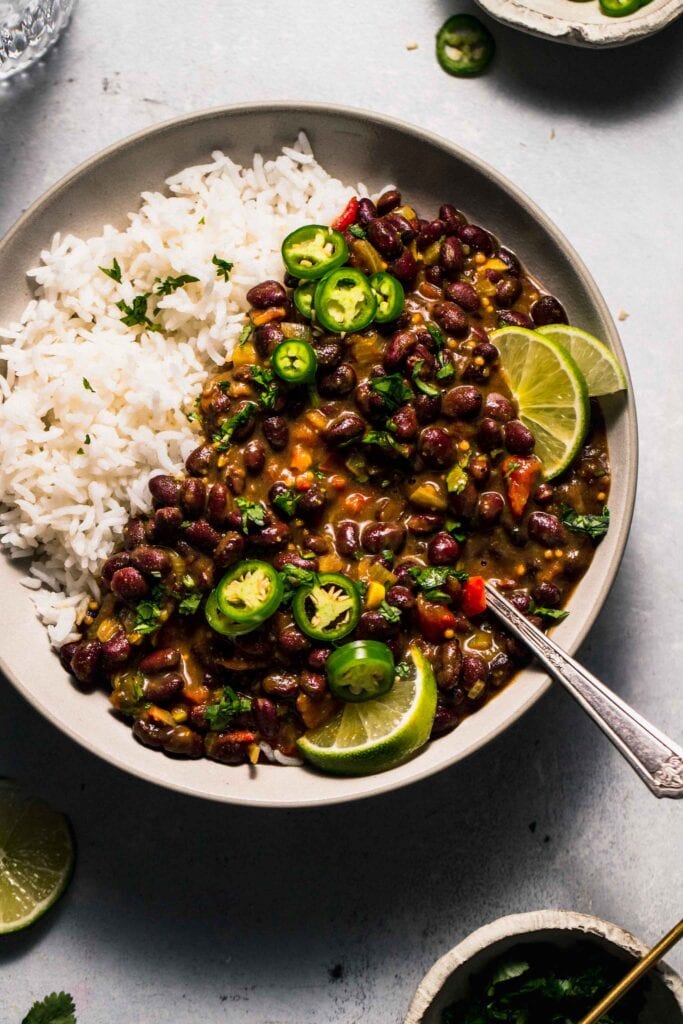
183	911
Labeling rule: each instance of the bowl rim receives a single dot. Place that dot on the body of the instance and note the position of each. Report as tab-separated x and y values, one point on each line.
382	782
571	31
526	925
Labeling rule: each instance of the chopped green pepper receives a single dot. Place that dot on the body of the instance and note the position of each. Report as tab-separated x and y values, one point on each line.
464	47
329	609
313	250
295	361
344	301
361	670
390	296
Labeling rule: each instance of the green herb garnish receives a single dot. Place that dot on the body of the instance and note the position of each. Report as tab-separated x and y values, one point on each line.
148	612
135	314
388	612
114	271
88	386
384	440
293	576
264	381
227	428
431	579
171	284
423	385
57	1008
594	527
223	267
253	514
245	334
286	502
220	715
357	231
552	614
393	389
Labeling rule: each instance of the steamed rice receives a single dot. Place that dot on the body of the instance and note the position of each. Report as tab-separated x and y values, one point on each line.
90	408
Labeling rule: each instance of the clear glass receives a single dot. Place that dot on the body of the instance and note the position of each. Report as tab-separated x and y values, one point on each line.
27	29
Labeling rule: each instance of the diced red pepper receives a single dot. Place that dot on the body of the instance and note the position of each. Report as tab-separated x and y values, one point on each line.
521	473
347	217
473	597
434	619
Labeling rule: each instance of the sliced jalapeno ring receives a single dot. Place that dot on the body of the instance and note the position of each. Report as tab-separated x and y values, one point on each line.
619	8
314	250
221	623
344	301
303	298
390	296
249	593
360	670
295	361
464	47
329	609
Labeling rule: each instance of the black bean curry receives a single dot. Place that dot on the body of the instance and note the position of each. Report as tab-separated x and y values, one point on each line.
362	471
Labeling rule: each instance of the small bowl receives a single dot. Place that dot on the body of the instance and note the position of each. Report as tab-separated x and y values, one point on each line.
448	979
583	24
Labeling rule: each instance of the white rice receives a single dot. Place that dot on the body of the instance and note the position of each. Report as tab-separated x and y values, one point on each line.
76	457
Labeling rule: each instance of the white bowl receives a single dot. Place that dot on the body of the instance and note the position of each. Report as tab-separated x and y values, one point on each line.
448	980
583	24
356	146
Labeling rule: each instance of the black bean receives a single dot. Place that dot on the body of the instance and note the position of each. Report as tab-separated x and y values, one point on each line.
184	742
217	504
134	533
547	595
445	720
312	501
229	549
543	528
405	229
518	439
510	260
267	338
164	689
151	560
167	522
265	713
193	496
512	318
313	684
329	353
373	626
435	275
388	201
404	267
254	456
283	558
161	659
274	536
283	685
449	665
521	601
367	211
547	310
385	238
462	402
150	733
346	538
508	291
376	537
474	669
117	561
116	651
486	351
165	491
266	294
202	535
464	294
128	584
544	494
404	423
464	504
490	507
476	238
423	523
346	427
452	218
400	345
451	317
451	256
490	434
437	447
498	407
443	549
429	233
245	429
85	660
339	381
292	641
401	597
276	432
317	658
199	461
66	653
427	407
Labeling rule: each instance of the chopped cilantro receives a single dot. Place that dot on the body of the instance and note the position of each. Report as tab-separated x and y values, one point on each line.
87	439
388	555
114	271
553	614
446	372
148	612
437	336
393	389
220	715
135	315
193	598
430	580
253	514
245	334
227	428
510	468
383	439
456	529
88	386
223	267
80	451
264	381
171	284
294	576
388	612
286	502
422	385
57	1008
357	231
594	527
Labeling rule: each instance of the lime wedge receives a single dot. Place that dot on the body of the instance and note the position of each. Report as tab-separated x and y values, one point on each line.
377	734
550	392
603	373
36	857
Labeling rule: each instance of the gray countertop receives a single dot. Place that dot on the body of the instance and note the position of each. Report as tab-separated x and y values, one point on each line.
185	911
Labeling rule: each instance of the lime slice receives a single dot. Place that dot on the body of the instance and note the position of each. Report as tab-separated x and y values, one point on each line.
603	373
36	857
550	392
377	734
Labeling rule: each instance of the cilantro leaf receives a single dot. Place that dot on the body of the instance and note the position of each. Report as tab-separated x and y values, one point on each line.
293	576
437	337
220	715
446	372
88	386
431	579
57	1008
245	334
114	271
135	314
227	428
253	514
553	614
171	284
148	612
594	527
388	612
190	603
384	440
223	267
422	385
456	529
393	390
286	501
357	231
264	381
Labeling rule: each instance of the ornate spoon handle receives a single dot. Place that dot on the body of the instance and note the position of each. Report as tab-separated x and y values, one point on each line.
656	758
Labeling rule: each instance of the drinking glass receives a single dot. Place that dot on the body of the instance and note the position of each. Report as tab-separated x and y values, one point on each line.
27	29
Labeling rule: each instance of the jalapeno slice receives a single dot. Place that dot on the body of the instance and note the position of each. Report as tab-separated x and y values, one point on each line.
619	8
464	47
221	623
314	250
303	298
248	594
344	301
295	361
360	670
329	609
390	296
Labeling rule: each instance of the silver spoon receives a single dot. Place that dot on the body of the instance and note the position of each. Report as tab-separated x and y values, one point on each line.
656	758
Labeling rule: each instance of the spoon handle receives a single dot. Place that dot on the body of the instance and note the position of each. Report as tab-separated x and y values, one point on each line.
656	758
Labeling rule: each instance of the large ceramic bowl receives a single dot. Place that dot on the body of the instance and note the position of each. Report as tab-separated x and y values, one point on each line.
449	979
355	146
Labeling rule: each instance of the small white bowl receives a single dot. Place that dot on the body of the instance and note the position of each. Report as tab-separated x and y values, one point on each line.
448	980
583	24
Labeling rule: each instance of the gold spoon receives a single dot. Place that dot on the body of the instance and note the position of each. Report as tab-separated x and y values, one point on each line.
636	972
656	758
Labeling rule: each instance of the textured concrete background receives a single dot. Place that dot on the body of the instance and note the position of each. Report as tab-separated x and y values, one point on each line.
183	911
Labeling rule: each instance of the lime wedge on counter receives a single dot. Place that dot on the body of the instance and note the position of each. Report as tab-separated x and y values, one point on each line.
377	734
36	857
601	370
550	391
